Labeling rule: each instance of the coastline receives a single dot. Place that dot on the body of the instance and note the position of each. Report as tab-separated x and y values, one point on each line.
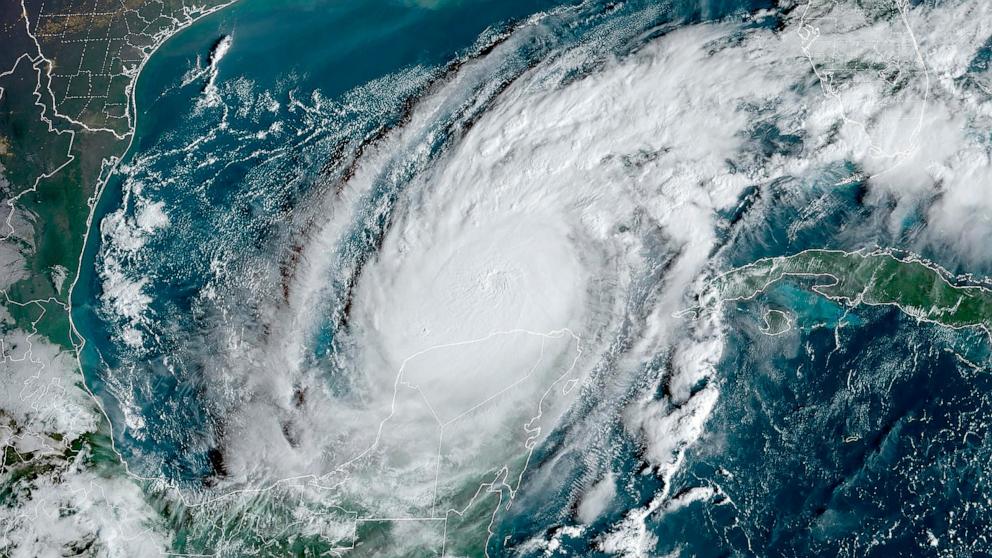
79	341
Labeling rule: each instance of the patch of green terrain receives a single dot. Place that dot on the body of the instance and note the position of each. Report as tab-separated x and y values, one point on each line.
55	454
776	322
58	205
67	70
920	289
272	522
65	111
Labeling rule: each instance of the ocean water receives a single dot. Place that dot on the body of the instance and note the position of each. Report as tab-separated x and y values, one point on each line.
210	282
853	434
305	80
857	432
306	52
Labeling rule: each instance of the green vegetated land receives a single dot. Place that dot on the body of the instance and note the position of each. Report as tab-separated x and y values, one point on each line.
918	288
64	113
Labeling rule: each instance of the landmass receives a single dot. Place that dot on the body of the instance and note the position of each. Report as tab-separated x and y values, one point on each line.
777	322
919	288
67	116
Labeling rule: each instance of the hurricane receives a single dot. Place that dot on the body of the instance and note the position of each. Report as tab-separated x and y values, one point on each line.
640	278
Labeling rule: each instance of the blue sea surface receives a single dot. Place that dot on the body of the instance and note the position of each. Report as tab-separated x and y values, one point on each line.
305	84
836	429
315	51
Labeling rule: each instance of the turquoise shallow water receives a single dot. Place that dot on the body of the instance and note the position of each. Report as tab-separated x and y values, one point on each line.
291	49
305	89
305	86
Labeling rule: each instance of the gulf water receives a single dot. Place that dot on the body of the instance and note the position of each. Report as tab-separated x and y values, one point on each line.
302	80
824	437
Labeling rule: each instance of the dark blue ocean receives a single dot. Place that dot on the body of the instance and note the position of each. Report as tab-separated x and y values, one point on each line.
859	432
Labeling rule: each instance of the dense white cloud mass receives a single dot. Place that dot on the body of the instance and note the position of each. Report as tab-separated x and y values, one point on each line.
57	501
512	258
531	270
82	510
509	268
597	499
912	109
